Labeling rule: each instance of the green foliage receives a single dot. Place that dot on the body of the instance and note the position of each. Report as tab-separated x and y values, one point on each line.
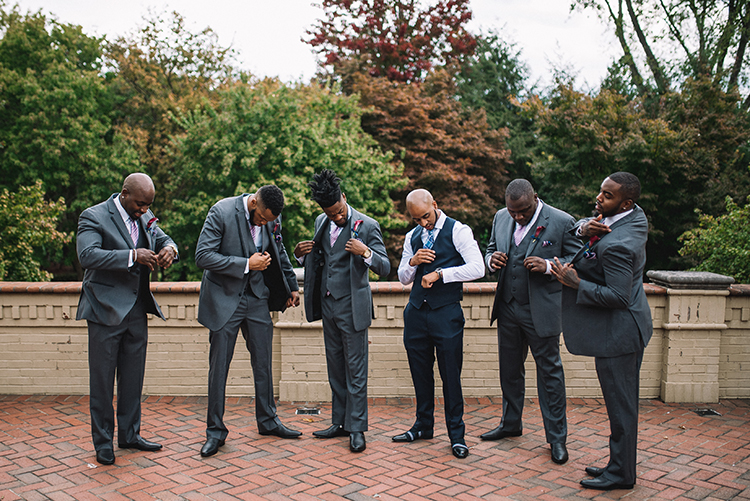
721	244
28	233
494	79
269	133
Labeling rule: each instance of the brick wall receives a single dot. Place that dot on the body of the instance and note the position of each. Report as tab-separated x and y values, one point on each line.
44	350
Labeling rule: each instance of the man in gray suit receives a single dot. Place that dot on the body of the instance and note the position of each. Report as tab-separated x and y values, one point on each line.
247	274
606	316
526	236
119	244
345	246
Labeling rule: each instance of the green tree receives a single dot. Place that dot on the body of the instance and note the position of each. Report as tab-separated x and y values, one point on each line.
676	39
28	233
721	244
494	78
269	133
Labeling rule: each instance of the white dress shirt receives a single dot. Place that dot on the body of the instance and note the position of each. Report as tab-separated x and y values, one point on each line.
126	219
463	240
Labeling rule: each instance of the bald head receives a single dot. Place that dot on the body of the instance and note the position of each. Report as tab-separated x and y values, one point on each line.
137	194
422	208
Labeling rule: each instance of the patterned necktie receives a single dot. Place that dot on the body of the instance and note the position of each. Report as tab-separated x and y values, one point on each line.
253	231
518	234
335	233
430	239
134	231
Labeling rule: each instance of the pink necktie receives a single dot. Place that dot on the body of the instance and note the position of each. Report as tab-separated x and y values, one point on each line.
518	234
335	233
134	232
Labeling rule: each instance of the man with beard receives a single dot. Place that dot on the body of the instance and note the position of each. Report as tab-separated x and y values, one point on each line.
247	274
606	316
346	245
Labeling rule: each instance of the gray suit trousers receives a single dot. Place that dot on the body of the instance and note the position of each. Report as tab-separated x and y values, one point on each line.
346	357
120	351
516	334
254	320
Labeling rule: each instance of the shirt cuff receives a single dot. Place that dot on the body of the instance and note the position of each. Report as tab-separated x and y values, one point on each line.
548	271
132	255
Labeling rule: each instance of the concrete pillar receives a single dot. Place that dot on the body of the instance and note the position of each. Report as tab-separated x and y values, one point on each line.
693	325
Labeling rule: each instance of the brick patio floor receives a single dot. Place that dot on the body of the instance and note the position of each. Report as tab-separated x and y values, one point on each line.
46	453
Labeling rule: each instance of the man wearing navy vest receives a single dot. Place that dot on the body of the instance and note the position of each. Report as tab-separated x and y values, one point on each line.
439	255
526	236
606	316
345	246
247	274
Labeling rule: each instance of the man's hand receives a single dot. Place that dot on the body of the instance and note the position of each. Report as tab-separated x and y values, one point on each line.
565	274
594	227
303	248
165	257
535	264
146	257
356	247
422	256
293	301
429	279
498	260
259	262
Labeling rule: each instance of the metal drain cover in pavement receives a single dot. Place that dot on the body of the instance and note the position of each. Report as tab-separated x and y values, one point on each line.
706	412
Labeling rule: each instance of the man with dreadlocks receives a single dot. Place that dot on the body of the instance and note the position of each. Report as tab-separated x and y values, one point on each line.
346	244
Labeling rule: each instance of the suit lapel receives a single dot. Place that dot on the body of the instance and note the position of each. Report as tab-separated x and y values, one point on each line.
246	240
542	220
117	221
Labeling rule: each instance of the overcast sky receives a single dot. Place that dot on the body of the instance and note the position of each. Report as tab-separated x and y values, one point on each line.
266	33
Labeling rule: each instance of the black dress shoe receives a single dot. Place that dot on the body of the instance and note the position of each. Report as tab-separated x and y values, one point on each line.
412	435
357	441
594	471
460	450
282	431
603	484
335	430
499	433
105	456
141	444
559	453
211	447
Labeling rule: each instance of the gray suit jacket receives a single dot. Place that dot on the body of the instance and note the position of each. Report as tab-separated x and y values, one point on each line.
609	316
369	233
103	242
223	248
554	240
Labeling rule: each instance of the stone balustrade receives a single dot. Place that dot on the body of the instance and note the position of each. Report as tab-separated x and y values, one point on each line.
700	350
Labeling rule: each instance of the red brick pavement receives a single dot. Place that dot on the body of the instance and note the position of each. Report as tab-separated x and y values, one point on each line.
46	453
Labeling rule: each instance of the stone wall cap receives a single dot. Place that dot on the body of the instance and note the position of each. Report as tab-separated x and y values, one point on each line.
697	280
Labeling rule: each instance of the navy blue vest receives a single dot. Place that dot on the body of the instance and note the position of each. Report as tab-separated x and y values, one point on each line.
446	256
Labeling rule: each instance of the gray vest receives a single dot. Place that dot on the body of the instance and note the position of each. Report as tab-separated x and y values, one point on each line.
255	282
336	272
516	276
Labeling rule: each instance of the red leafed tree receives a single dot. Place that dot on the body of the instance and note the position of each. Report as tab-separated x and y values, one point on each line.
398	39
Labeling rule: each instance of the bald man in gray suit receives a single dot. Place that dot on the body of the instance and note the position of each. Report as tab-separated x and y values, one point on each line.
119	244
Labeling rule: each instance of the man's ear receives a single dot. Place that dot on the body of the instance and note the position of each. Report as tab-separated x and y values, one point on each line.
628	204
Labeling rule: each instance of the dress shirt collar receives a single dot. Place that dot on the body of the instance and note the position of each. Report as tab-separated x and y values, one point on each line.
125	216
610	220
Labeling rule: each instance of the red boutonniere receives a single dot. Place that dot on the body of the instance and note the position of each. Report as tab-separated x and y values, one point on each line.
277	232
151	225
537	233
355	228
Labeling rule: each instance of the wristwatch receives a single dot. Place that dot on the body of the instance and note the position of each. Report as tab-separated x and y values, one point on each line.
439	271
367	253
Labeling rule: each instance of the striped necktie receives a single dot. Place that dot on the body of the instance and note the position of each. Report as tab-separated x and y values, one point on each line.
134	232
430	239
